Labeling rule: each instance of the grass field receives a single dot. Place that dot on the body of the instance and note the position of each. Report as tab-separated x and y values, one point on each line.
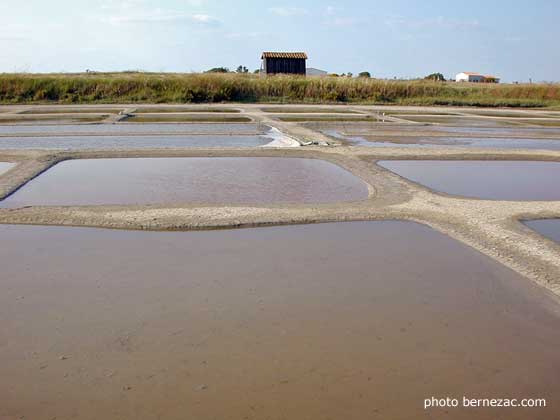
113	88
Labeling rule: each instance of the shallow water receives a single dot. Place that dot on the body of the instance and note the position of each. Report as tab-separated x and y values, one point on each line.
546	227
182	180
128	128
515	132
459	121
271	323
6	166
494	180
131	142
478	142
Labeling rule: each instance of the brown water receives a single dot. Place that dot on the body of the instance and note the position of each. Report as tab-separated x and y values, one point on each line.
5	166
547	227
181	180
272	323
493	180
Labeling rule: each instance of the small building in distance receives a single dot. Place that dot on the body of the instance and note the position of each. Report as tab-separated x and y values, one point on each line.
471	77
316	72
284	63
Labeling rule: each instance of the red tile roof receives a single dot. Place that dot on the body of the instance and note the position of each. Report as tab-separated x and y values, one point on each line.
284	55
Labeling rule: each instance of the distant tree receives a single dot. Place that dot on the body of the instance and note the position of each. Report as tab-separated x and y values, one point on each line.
436	77
242	69
349	74
218	70
257	71
365	74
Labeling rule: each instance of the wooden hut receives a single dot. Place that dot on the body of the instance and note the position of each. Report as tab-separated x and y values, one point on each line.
284	63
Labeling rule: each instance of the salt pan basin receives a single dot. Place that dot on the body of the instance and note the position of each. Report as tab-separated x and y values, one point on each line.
184	180
549	228
492	180
131	129
6	166
346	321
115	142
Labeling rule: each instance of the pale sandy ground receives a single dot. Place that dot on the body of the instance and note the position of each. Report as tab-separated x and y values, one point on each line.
492	227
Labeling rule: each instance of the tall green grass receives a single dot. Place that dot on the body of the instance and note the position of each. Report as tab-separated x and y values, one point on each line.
206	88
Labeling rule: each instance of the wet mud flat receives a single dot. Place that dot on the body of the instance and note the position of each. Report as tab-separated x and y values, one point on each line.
118	142
236	180
266	323
491	180
549	228
5	166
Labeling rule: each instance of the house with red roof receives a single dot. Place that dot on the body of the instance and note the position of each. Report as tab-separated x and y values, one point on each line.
468	76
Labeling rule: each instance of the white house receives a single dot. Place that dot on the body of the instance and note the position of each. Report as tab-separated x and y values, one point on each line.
468	76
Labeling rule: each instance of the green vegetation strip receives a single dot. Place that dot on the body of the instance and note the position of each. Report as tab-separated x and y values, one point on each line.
199	88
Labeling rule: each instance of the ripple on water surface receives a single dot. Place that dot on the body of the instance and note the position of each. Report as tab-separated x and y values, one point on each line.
181	180
324	321
493	180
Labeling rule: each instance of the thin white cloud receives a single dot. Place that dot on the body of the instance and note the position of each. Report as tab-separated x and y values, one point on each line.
13	38
240	35
437	22
331	10
286	11
204	18
342	21
121	4
160	15
333	17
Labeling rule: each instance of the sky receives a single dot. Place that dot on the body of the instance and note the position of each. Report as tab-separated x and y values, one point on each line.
511	39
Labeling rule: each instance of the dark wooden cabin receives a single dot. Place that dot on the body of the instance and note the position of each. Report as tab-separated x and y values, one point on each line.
284	63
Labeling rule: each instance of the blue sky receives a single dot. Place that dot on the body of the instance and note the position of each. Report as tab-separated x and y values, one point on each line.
512	39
